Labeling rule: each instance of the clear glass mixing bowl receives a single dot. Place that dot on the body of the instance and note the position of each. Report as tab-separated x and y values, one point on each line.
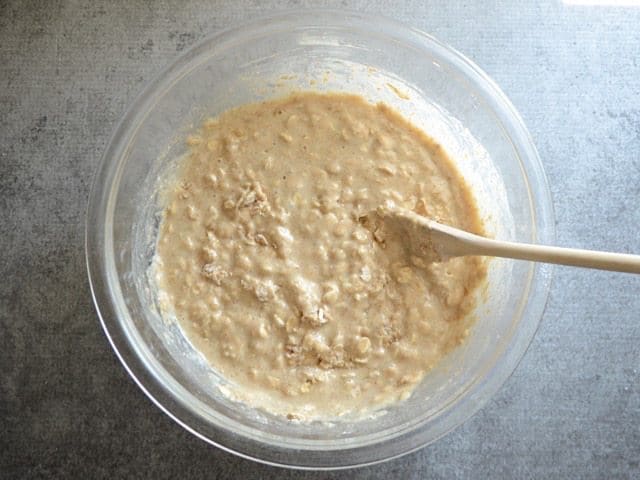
438	89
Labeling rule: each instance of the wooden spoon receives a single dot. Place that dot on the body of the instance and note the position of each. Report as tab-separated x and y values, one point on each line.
436	242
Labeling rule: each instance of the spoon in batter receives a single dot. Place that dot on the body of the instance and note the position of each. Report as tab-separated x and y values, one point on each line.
436	242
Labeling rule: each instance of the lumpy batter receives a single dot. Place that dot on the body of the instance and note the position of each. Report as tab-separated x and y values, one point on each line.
266	259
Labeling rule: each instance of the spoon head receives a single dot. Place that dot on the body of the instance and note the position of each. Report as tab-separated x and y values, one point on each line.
394	227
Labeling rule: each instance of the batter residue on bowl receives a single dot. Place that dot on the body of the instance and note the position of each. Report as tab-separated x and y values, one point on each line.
264	258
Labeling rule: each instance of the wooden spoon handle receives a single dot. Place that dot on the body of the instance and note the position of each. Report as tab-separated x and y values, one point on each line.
619	262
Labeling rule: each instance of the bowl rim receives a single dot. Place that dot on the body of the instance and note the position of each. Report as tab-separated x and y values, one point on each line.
97	242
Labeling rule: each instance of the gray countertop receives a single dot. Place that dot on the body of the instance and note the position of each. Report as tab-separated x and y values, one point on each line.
68	70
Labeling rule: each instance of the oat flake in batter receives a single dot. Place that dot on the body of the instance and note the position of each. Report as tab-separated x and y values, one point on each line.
264	258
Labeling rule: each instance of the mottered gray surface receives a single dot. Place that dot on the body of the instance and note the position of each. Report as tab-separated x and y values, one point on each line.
68	71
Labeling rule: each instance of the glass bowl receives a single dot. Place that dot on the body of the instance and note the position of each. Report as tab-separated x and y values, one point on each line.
440	91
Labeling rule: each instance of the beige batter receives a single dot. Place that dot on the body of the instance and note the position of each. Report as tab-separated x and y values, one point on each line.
266	257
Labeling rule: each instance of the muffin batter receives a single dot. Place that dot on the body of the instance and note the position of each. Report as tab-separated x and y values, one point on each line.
268	260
